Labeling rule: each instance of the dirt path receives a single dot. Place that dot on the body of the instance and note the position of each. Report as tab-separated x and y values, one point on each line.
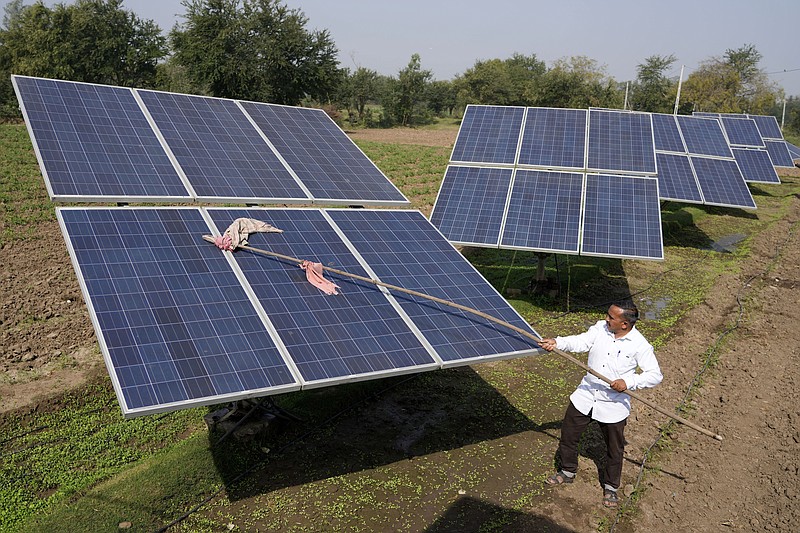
750	481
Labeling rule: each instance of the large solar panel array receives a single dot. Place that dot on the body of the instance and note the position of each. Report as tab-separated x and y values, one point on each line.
182	323
697	165
531	179
115	144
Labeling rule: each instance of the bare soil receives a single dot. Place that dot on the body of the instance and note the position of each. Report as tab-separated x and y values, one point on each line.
748	482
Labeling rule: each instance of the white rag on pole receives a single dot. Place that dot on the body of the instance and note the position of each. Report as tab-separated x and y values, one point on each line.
238	232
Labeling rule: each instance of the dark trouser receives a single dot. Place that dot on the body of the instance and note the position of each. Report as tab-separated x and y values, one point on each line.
613	434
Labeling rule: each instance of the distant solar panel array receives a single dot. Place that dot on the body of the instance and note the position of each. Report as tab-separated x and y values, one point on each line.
104	143
552	180
771	138
696	163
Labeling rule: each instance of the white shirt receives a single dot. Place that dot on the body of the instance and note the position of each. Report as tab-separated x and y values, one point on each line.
615	359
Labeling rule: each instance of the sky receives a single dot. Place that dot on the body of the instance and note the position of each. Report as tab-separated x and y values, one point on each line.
450	35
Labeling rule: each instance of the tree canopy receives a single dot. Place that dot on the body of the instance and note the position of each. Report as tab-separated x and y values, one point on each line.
262	50
653	91
255	50
94	41
731	84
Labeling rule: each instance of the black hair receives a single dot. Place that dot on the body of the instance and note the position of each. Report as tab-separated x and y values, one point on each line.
630	312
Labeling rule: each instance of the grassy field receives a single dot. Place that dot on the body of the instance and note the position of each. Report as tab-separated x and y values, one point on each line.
364	454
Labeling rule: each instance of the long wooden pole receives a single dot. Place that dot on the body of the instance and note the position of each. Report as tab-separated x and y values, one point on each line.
490	318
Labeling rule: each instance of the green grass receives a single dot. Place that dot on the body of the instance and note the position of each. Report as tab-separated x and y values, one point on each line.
23	197
398	451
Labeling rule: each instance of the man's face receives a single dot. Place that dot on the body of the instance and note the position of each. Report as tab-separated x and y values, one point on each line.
616	323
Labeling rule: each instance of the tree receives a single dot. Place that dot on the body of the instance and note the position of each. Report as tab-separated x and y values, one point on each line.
577	82
255	50
404	97
732	84
441	97
92	41
509	81
364	86
652	91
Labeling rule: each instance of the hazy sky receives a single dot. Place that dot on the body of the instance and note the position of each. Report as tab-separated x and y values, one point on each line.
450	35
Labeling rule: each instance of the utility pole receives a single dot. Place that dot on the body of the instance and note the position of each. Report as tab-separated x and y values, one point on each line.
625	105
678	97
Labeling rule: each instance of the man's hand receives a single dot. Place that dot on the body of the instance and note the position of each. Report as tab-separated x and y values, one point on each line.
547	344
619	385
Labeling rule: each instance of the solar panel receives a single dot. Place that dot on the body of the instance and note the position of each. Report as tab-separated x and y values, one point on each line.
756	165
705	114
488	134
544	211
554	138
622	217
402	248
544	207
742	132
767	126
722	182
704	136
779	154
676	180
182	323
326	160
621	142
666	135
94	142
794	151
471	203
222	154
354	335
174	323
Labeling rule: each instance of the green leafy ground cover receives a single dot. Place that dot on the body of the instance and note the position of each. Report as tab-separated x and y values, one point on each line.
394	451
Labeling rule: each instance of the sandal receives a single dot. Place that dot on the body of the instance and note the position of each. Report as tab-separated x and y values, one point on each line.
559	478
610	499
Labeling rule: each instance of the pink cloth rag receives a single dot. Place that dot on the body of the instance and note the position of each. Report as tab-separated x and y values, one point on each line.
238	232
314	276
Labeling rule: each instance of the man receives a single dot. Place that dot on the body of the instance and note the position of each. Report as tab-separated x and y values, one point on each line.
616	349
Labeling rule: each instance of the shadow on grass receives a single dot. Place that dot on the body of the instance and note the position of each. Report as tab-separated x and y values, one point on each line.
355	427
468	515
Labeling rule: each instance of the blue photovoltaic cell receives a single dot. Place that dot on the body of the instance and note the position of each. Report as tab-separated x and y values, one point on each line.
742	132
779	154
676	180
666	135
621	142
722	182
544	211
488	134
756	165
705	114
219	150
767	126
94	140
471	202
404	249
794	151
175	323
704	136
329	337
328	163
554	138
622	217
